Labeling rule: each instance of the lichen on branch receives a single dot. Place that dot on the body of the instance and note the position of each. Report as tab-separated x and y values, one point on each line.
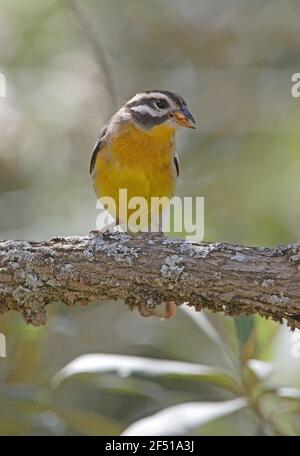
149	269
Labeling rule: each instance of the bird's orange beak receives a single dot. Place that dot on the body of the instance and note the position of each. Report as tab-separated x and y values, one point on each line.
184	118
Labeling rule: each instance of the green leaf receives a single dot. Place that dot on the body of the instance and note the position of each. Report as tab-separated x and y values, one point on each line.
126	366
244	327
88	423
266	330
261	369
21	398
288	393
204	323
182	419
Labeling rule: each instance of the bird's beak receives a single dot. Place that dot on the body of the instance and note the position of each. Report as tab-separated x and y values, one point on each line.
184	117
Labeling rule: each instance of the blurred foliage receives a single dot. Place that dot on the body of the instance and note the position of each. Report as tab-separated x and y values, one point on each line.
68	66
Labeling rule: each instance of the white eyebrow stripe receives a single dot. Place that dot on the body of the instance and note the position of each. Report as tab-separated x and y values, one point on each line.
146	109
150	95
157	95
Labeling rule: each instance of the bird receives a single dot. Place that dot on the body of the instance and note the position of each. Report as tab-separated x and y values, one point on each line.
136	151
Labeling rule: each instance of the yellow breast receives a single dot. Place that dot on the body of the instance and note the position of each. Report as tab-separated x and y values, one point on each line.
140	161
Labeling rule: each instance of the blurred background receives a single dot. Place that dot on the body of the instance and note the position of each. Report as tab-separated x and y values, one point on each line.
68	66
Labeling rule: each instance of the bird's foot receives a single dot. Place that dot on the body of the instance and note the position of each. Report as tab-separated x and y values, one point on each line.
107	229
166	310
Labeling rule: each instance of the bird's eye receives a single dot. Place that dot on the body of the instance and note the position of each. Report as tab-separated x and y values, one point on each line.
160	104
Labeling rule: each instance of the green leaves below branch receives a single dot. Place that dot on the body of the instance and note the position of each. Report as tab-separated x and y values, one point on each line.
135	366
184	418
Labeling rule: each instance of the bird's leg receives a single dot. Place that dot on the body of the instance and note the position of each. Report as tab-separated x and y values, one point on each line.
110	228
171	309
156	227
160	223
166	310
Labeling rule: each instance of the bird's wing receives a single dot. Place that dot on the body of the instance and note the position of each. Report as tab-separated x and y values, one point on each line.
97	147
176	162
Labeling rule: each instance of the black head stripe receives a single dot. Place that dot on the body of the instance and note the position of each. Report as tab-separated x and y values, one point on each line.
151	98
144	101
147	120
173	96
148	100
141	101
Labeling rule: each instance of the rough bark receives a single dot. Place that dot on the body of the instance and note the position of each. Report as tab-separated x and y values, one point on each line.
147	270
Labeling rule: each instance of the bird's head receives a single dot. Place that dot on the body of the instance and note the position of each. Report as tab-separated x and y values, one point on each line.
159	108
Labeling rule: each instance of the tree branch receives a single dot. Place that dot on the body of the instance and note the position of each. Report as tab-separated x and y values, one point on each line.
147	270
